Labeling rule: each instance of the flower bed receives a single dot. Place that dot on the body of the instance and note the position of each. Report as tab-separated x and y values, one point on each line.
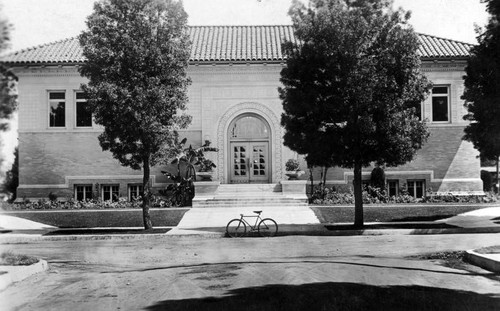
330	196
45	204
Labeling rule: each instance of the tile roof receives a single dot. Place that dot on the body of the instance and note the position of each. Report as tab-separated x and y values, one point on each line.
224	44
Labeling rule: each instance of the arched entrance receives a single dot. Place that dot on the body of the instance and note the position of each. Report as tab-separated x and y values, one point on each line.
249	149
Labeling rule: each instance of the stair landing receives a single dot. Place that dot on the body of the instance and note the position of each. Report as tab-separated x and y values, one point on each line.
248	196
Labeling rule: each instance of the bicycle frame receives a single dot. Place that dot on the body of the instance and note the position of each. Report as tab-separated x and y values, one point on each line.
255	226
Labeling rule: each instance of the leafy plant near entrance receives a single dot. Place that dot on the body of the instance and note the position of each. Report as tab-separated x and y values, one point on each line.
185	161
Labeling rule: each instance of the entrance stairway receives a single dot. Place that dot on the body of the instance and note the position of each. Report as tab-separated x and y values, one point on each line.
249	195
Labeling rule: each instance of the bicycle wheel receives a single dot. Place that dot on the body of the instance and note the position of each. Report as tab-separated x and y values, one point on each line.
268	227
236	228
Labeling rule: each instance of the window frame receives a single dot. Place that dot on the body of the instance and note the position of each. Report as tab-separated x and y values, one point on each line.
140	190
84	192
413	191
389	181
111	186
49	108
448	102
79	100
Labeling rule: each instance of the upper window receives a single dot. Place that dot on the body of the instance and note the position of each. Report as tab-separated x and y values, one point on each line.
83	114
249	127
57	109
441	104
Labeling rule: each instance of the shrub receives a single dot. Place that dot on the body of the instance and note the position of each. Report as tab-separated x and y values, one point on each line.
156	201
487	180
292	165
52	197
329	196
377	178
8	258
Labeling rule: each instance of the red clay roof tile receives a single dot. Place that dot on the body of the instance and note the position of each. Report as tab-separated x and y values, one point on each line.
225	44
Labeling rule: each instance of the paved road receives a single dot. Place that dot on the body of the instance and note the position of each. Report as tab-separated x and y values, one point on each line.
288	273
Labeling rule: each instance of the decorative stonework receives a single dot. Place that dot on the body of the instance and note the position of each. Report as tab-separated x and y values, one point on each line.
276	137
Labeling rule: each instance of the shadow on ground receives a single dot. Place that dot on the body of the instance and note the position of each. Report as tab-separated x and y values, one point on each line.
336	296
110	231
423	218
392	226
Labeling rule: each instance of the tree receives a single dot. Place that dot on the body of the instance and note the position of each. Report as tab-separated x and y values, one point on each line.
8	80
353	82
482	89
137	54
12	177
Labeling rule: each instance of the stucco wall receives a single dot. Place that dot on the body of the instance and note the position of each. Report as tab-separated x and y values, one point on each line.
55	159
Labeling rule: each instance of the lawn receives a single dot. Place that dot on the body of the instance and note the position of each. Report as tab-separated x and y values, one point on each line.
392	213
164	217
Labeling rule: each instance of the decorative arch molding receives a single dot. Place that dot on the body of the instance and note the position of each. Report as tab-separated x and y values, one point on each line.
222	138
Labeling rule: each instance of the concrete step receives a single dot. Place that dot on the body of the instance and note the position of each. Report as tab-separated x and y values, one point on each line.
248	204
259	188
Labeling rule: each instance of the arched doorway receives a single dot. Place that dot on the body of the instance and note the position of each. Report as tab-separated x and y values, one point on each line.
249	153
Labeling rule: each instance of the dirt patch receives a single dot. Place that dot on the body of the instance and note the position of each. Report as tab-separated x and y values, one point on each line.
453	259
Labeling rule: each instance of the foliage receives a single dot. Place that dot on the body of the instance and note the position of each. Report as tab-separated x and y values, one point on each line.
351	86
206	165
12	177
70	203
292	165
487	180
137	54
8	258
8	80
377	178
181	191
331	196
52	196
482	82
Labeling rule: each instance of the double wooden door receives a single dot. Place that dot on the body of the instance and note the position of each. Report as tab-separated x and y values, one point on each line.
249	162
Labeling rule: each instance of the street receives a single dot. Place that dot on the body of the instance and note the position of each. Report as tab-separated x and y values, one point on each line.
283	273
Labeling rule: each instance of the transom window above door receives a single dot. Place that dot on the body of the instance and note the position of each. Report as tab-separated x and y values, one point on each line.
249	127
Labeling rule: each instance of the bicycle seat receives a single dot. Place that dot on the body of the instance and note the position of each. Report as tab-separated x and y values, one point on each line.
257	212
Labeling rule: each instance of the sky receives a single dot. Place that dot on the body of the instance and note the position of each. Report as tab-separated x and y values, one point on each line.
38	22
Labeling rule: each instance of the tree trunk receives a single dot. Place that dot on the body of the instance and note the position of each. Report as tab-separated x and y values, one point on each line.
145	197
312	184
498	180
358	196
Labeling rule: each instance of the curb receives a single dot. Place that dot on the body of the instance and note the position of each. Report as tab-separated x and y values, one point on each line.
483	261
213	233
19	273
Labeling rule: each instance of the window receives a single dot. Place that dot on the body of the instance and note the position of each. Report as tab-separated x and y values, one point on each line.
83	192
134	192
416	188
57	109
440	104
393	187
83	114
110	193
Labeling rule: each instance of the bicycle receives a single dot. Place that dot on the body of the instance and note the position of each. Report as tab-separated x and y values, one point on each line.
267	227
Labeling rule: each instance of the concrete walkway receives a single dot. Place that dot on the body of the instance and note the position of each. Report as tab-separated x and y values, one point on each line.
484	217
